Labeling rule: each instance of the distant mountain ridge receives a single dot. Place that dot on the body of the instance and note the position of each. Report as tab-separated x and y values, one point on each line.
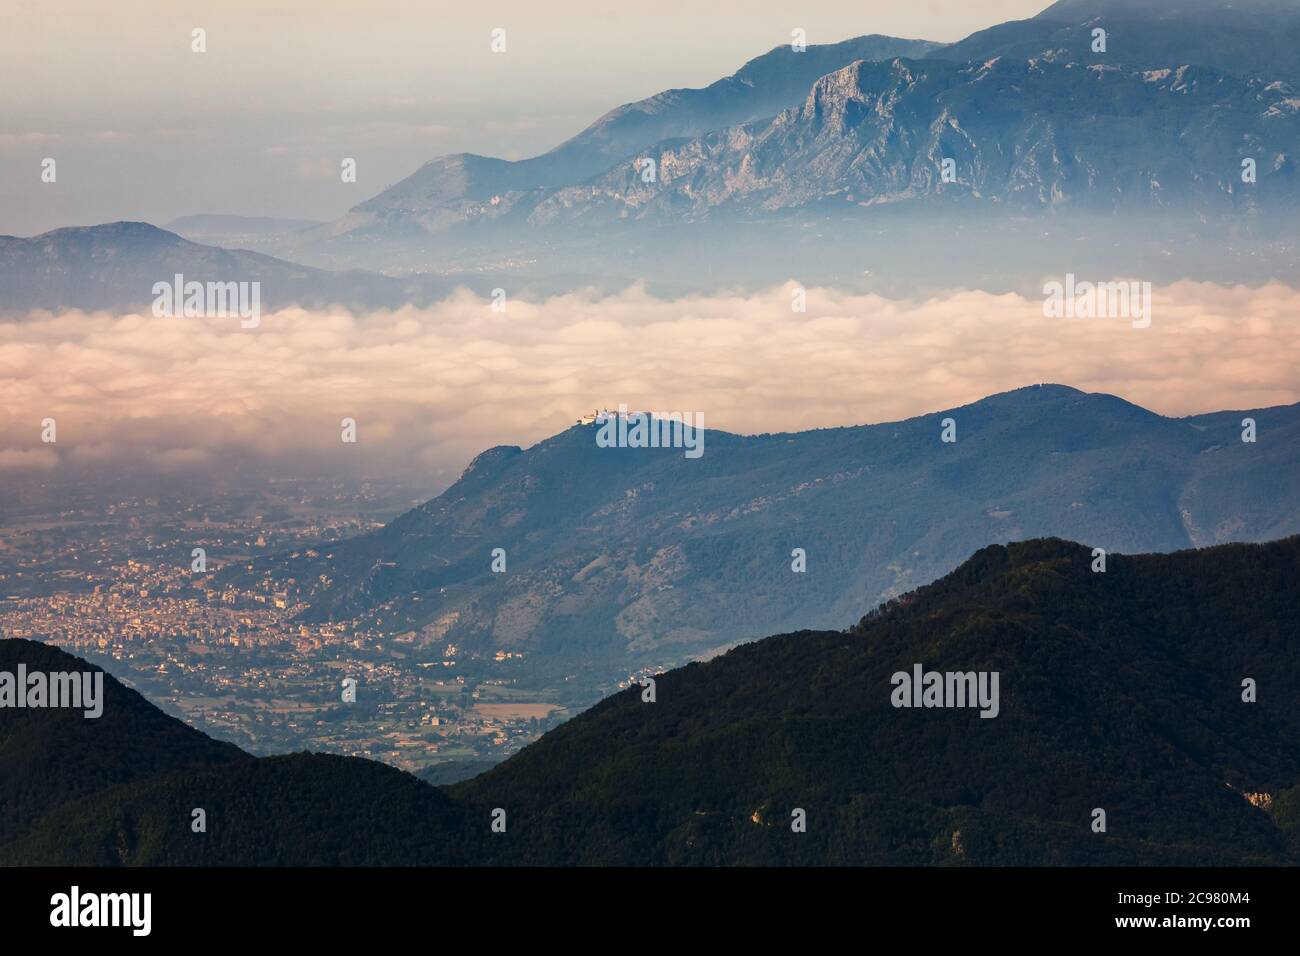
1244	38
1008	84
114	266
829	166
624	557
451	189
880	133
1081	11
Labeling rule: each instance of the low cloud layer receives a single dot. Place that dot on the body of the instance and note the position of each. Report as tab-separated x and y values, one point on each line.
429	388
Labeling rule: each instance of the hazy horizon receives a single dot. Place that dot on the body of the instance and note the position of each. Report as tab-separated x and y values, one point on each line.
144	129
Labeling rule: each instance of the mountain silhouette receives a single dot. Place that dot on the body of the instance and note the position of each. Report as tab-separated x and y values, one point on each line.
121	789
1120	691
1160	690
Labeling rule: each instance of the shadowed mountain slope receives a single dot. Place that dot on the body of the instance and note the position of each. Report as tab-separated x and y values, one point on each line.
51	756
1119	691
624	556
121	789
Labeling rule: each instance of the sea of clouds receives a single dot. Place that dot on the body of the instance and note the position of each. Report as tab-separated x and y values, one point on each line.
431	387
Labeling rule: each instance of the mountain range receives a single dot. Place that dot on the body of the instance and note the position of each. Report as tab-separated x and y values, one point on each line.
115	266
618	558
452	190
1028	110
1161	692
826	165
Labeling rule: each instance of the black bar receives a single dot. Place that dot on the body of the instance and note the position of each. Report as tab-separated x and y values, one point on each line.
534	905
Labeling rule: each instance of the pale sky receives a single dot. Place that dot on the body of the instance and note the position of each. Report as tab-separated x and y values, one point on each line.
143	128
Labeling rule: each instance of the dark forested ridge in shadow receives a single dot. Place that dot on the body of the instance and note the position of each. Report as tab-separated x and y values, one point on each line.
1120	691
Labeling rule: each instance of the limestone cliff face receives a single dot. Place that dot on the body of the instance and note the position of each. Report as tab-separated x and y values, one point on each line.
1033	114
1003	133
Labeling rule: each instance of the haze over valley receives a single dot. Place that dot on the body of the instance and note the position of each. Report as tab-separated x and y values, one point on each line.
966	335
